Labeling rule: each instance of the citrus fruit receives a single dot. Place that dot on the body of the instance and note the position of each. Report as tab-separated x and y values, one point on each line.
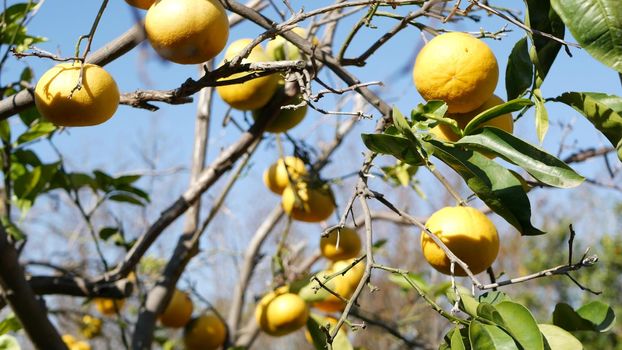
108	306
468	233
458	69
187	31
59	102
90	326
74	344
141	4
344	285
279	49
251	94
277	176
280	312
285	119
306	203
340	243
178	311
504	122
206	332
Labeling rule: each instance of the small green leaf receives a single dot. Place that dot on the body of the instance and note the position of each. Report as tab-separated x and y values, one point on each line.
602	110
317	335
488	337
507	107
599	314
127	198
5	131
8	342
15	232
38	130
556	338
10	324
597	27
397	146
108	232
458	340
521	325
542	116
534	160
519	71
542	17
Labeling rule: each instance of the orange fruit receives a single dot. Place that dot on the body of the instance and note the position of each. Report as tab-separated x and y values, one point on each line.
251	94
277	176
108	306
340	244
504	122
344	285
309	204
94	103
458	69
468	233
141	4
187	31
206	332
280	312
178	311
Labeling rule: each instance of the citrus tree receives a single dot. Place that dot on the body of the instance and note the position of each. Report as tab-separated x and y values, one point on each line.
339	241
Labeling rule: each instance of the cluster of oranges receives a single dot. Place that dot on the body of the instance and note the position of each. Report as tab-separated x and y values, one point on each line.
462	71
281	312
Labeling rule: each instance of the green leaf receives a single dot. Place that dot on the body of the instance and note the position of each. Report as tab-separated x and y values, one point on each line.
313	292
467	303
519	71
26	156
397	146
507	107
417	280
5	131
490	313
597	27
540	16
433	109
534	160
127	198
13	231
599	314
459	341
10	324
317	335
493	298
567	318
521	325
556	338
108	232
492	183
38	130
29	116
602	110
8	342
542	116
487	337
26	75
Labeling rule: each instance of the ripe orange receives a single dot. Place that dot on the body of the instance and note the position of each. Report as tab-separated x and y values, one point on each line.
344	285
340	244
178	311
206	332
458	69
251	94
277	176
468	233
108	306
93	104
280	312
74	344
141	4
504	122
309	204
187	31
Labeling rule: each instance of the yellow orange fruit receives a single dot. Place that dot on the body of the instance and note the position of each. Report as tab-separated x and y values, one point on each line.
458	69
206	332
59	102
178	311
340	243
109	306
344	284
309	204
141	4
504	122
279	313
90	326
468	233
279	49
277	176
251	94
74	344
285	119
187	31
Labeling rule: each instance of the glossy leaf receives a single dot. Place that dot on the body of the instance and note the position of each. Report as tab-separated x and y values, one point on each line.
458	341
492	183
5	131
598	314
38	130
542	17
507	107
521	325
488	337
602	110
519	70
542	116
541	165
397	146
597	27
493	297
556	338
